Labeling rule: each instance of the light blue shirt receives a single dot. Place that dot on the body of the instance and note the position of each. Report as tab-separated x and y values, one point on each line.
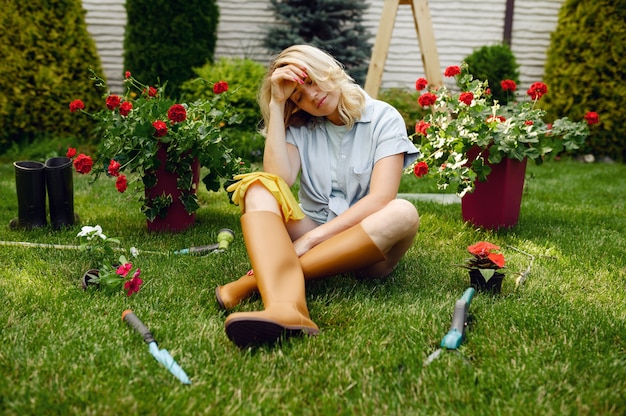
336	174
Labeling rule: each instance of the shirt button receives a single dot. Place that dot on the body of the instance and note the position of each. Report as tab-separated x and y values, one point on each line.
343	156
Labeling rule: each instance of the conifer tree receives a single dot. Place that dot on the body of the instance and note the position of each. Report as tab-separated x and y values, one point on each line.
332	25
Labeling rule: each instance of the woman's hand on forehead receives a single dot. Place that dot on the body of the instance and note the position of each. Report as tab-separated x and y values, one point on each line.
285	80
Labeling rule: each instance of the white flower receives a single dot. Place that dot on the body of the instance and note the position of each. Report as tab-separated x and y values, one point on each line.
134	251
91	232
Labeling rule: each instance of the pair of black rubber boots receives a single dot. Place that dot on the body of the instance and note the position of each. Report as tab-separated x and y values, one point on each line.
32	180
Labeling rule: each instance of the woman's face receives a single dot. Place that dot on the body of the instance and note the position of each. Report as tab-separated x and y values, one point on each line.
311	98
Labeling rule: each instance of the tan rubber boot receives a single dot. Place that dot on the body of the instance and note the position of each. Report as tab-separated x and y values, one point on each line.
348	251
280	281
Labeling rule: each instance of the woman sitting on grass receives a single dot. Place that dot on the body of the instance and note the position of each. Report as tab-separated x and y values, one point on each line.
350	151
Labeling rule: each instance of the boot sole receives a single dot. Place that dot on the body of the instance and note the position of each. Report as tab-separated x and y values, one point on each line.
248	332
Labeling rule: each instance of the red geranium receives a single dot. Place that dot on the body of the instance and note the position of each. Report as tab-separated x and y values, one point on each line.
508	85
220	87
452	71
121	183
484	256
83	163
160	128
71	152
421	83
592	118
113	101
537	90
421	127
420	169
177	113
114	168
76	105
466	98
125	108
427	99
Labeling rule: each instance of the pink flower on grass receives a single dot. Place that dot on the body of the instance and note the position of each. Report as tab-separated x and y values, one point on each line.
124	269
133	285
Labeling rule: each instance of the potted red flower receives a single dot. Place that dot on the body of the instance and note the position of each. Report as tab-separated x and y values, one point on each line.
158	145
484	267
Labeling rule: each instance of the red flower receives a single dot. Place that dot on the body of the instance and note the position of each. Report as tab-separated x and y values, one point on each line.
83	164
508	85
220	87
160	128
529	122
537	90
466	97
121	183
421	127
113	101
421	83
133	285
124	269
420	169
177	113
114	168
497	259
127	74
427	99
76	105
125	108
452	71
71	152
151	91
482	248
592	118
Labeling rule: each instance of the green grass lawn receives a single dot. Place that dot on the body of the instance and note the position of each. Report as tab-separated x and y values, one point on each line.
554	346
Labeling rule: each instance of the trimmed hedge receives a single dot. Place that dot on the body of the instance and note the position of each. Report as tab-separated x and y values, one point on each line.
165	40
46	55
585	71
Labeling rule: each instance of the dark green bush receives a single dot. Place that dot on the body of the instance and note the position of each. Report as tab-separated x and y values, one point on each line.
165	40
494	63
46	55
244	78
585	71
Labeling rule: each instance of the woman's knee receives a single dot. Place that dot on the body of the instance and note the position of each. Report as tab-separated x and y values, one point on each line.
259	198
405	214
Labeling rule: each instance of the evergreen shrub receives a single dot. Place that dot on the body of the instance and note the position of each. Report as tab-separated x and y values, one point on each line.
585	71
46	55
165	40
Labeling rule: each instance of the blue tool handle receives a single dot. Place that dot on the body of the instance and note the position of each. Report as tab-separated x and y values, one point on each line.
132	320
454	338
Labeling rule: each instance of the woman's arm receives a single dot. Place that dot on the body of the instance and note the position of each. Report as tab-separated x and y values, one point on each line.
384	185
279	157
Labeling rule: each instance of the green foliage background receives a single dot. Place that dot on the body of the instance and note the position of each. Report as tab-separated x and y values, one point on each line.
586	68
46	55
165	40
244	77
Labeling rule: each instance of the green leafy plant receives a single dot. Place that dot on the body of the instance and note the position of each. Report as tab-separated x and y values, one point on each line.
135	126
108	271
493	63
465	132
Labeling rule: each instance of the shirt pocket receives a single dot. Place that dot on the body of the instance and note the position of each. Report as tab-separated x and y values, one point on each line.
362	177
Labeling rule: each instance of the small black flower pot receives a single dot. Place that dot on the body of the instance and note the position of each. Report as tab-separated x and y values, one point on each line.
493	285
86	281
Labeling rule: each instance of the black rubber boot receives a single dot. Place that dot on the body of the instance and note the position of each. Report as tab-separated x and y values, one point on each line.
60	191
30	184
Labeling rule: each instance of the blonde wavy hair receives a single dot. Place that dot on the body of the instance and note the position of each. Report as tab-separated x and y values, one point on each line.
323	70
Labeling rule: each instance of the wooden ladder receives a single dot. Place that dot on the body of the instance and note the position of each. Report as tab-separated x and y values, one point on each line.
425	37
